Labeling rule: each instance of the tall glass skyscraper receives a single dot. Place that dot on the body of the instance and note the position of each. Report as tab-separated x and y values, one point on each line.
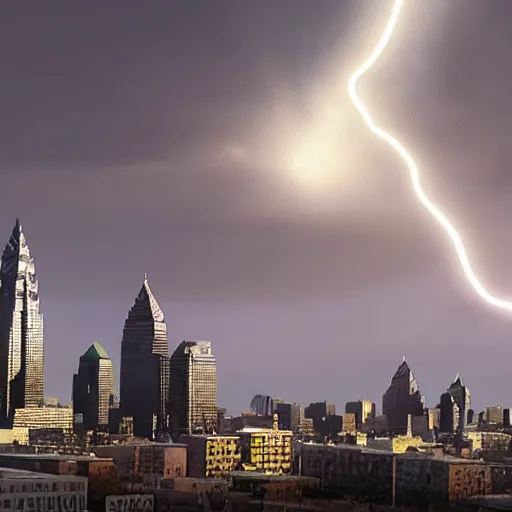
144	382
93	388
193	388
21	329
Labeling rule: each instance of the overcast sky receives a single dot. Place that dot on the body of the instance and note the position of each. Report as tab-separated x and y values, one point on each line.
213	146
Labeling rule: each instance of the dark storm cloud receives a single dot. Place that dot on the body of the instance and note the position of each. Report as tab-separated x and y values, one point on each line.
151	137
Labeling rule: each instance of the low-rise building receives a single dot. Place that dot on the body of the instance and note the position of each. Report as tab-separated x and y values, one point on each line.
58	464
386	477
398	444
266	450
211	456
490	441
27	490
161	459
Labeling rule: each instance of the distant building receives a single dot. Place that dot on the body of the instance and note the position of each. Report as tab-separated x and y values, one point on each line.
144	382
494	415
211	456
462	397
263	405
193	389
290	416
401	399
450	414
363	409
93	388
21	329
44	418
434	419
320	412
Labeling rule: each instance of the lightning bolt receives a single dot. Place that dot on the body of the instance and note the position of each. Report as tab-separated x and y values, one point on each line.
456	239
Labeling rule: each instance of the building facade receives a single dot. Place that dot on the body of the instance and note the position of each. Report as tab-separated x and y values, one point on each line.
268	450
27	490
402	399
193	389
212	456
93	388
21	329
144	379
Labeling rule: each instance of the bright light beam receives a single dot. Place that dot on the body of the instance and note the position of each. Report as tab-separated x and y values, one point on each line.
413	169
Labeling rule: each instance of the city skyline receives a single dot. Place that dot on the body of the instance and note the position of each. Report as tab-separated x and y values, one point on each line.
178	165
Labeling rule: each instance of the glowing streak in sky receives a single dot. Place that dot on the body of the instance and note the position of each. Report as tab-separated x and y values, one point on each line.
413	169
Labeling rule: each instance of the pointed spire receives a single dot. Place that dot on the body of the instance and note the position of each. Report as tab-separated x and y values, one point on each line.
146	301
145	277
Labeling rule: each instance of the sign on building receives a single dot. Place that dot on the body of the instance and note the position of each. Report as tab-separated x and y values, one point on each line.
130	503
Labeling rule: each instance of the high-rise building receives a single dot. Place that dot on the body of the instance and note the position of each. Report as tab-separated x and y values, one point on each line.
193	388
402	399
93	388
144	379
461	397
363	409
21	329
450	418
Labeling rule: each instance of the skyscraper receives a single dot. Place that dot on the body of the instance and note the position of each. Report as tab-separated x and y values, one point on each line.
93	388
21	329
462	397
401	399
144	382
193	388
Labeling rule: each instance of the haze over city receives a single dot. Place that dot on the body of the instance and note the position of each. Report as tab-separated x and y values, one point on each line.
231	167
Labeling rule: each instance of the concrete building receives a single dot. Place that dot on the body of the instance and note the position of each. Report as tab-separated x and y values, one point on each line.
158	459
266	450
401	479
21	330
494	415
144	382
27	490
42	418
211	456
58	464
193	389
491	441
402	398
93	388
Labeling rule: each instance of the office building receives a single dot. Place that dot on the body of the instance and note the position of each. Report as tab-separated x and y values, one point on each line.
144	380
93	388
211	456
462	398
363	409
402	399
21	329
193	389
266	450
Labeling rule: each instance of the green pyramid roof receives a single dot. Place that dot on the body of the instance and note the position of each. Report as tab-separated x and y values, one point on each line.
96	351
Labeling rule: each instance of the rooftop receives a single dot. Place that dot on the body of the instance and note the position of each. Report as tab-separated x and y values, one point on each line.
8	473
255	475
53	456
